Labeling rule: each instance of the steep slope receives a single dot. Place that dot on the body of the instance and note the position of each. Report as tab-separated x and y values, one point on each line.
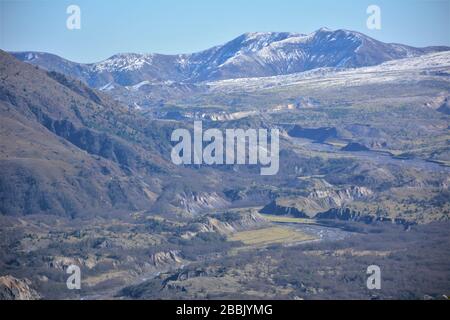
68	150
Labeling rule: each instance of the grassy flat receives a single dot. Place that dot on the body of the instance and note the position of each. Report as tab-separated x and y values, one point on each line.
266	236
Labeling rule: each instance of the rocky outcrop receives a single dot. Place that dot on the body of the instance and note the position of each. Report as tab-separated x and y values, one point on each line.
214	225
318	201
228	116
336	198
228	223
248	221
283	208
17	289
196	202
161	259
189	203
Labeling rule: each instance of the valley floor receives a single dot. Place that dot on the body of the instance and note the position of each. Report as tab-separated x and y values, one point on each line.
278	258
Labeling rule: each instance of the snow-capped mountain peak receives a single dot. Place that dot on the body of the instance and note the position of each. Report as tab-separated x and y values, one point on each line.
123	62
252	54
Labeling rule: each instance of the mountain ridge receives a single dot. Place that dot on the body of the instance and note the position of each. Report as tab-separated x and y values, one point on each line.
252	54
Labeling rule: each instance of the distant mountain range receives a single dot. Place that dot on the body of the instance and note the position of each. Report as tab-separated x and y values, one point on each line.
249	55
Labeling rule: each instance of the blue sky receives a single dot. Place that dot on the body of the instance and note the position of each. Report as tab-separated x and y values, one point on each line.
183	26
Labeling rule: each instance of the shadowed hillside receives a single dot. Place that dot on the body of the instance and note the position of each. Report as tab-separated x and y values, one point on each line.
66	149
